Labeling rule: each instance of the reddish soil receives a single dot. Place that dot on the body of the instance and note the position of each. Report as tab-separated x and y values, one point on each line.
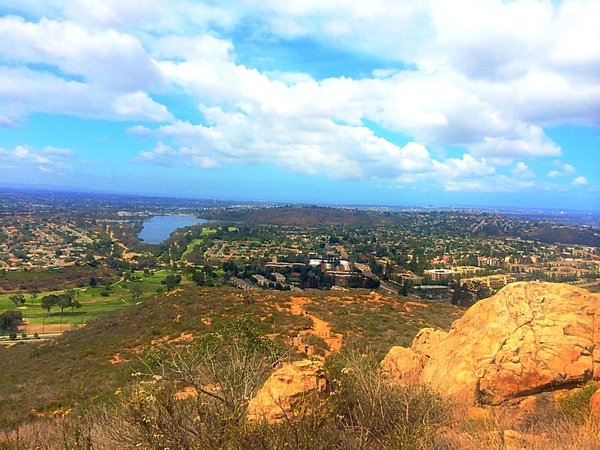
320	327
116	359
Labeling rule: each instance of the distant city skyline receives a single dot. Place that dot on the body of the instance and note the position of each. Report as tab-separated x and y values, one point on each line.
482	103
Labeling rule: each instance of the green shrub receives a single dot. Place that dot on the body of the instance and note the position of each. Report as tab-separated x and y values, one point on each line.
576	405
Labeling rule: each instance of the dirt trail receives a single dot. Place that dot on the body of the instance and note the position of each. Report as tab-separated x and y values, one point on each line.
127	255
49	328
117	359
320	327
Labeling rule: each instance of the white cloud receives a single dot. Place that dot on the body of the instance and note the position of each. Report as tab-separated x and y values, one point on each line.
564	169
108	58
522	171
46	159
579	181
488	81
521	141
24	91
140	105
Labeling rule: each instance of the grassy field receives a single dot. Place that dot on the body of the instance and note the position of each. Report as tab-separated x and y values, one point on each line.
95	301
206	231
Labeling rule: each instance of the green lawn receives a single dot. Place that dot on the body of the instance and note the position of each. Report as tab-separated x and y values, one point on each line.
206	231
93	303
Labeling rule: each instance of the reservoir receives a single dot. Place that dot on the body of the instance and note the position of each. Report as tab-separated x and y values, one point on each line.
158	228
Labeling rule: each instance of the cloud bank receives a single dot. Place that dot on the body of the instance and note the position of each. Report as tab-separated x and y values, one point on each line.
484	84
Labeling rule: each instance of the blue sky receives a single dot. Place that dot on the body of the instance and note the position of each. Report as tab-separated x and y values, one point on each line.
472	102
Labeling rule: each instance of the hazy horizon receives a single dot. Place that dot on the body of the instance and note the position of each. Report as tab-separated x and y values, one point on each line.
484	104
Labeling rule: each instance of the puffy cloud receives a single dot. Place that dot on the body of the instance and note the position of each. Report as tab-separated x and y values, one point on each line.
24	91
522	141
108	58
522	171
488	81
563	170
46	160
338	151
140	105
579	181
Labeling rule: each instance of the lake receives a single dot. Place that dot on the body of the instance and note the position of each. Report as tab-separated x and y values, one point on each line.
158	228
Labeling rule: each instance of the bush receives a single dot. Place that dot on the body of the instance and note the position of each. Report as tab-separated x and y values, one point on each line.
576	405
13	336
359	410
24	335
373	412
36	335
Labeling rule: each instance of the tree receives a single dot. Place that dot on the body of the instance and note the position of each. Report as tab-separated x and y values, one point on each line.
75	304
198	278
171	281
404	290
456	294
93	282
229	266
48	301
17	299
11	320
64	301
136	292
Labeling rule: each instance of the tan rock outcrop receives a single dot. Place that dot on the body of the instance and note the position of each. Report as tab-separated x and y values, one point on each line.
403	365
426	340
286	390
527	338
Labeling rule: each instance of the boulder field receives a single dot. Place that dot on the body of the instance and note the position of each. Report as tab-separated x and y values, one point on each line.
527	339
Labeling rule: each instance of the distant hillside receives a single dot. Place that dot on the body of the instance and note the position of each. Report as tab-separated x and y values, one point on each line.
429	222
89	364
565	235
304	215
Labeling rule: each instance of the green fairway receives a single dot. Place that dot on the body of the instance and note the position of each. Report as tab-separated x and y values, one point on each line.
206	231
95	301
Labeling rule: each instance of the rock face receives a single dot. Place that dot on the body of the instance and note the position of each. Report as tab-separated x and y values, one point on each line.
527	338
426	340
286	388
403	365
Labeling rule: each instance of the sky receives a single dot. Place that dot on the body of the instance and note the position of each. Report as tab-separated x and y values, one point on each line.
416	102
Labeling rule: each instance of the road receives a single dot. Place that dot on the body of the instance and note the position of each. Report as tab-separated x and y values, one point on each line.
386	287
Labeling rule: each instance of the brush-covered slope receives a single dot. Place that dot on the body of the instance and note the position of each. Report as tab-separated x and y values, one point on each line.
89	364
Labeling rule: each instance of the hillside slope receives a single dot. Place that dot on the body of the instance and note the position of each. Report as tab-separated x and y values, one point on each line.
89	364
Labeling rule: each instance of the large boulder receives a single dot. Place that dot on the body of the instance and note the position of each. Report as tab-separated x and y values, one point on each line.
426	340
528	338
403	365
287	389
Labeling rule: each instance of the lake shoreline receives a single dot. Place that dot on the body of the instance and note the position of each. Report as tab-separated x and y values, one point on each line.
158	229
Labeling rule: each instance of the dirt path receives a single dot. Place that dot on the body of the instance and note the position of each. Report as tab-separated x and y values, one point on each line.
52	328
320	327
127	255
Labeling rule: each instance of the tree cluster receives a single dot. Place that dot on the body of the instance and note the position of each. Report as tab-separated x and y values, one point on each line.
62	301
